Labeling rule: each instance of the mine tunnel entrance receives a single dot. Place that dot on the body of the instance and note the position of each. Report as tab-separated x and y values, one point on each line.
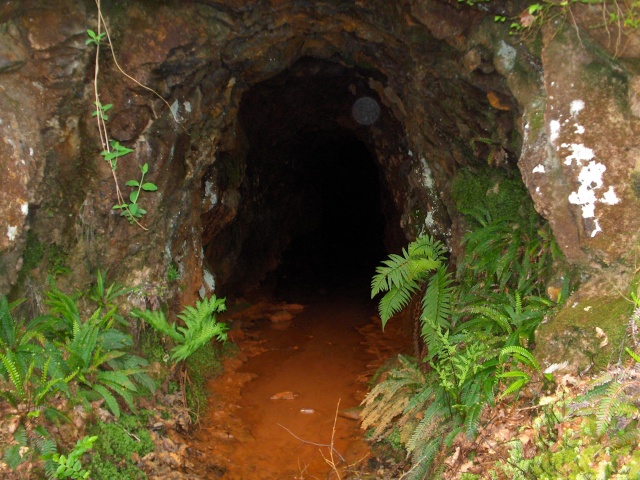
343	241
312	206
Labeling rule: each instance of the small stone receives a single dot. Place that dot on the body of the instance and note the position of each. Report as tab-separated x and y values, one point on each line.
307	411
285	396
352	413
281	316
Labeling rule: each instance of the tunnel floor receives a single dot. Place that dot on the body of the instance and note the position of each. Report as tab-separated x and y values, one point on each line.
271	414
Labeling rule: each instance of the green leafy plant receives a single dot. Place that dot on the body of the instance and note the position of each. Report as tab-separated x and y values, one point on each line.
70	466
112	150
30	364
132	209
96	352
476	327
94	38
173	273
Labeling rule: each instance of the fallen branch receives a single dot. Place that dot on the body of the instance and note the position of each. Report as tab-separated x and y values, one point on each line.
313	443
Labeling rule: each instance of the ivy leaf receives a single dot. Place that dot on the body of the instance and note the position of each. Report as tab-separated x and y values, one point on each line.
133	208
149	187
133	196
133	183
144	168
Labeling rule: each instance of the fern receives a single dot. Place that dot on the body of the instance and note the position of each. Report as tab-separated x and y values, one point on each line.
401	275
436	309
475	327
200	326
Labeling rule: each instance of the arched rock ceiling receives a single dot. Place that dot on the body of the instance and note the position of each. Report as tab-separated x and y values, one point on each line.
444	74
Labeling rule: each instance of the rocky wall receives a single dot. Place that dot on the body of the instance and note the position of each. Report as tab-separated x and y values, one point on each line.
559	105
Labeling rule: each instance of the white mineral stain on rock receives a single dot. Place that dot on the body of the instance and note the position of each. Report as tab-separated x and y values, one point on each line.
208	279
12	233
428	221
538	169
24	208
596	228
554	130
175	106
187	107
210	196
576	107
427	177
507	54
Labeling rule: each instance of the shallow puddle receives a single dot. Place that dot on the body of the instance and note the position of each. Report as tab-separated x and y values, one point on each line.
274	413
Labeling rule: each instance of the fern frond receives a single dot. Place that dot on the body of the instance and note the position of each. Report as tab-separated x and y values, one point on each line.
7	324
521	354
396	299
608	407
436	309
109	399
422	459
158	321
16	376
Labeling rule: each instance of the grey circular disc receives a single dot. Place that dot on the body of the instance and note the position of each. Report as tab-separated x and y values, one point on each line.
365	111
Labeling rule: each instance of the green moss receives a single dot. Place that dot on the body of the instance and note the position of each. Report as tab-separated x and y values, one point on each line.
572	332
117	439
33	253
496	190
535	119
604	77
115	445
151	345
204	364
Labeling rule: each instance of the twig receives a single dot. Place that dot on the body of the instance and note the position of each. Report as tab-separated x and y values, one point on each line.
312	443
525	473
333	432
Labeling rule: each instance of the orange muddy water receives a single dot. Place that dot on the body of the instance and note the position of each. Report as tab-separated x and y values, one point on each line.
271	415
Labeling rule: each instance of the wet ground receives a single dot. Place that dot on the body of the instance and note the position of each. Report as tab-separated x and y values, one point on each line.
280	410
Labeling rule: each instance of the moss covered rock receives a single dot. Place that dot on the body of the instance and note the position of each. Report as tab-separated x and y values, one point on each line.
587	333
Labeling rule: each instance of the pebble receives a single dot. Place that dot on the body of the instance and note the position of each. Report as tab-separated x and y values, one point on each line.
285	396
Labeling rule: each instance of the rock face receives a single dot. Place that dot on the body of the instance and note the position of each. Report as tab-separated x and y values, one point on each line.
252	96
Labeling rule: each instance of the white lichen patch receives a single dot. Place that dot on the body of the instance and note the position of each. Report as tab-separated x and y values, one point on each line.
610	197
576	107
579	129
590	179
187	107
578	153
24	208
12	233
538	169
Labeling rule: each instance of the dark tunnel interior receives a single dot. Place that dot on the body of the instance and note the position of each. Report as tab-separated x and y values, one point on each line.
346	239
314	208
